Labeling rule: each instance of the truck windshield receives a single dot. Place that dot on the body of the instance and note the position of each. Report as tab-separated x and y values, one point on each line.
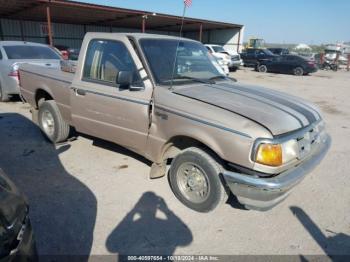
30	52
219	49
179	62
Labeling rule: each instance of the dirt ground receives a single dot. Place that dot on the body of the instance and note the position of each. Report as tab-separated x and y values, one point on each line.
92	197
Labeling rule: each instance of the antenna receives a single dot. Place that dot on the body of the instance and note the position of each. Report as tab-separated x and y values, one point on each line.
177	47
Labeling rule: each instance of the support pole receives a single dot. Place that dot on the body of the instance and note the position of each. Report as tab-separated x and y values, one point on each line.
144	17
348	66
200	32
239	40
49	28
1	32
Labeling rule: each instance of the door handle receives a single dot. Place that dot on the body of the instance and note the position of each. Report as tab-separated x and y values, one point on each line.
80	92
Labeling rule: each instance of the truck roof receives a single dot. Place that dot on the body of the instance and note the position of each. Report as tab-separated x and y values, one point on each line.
212	45
11	43
140	36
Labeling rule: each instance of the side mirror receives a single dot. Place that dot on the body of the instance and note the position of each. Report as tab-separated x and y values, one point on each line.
124	78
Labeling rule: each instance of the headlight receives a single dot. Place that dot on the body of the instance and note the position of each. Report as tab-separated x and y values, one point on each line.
271	154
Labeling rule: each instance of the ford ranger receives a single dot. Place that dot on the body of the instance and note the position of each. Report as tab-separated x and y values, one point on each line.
166	99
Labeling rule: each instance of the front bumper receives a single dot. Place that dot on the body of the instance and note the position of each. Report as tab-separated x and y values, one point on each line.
264	193
235	63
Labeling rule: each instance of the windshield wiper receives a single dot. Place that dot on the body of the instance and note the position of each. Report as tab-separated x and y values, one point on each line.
200	80
222	77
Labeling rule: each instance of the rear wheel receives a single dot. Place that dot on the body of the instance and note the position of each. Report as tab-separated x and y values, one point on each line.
298	71
52	123
195	180
3	96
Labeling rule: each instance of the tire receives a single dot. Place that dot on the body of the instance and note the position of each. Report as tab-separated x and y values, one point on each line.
51	122
3	96
201	188
298	71
262	68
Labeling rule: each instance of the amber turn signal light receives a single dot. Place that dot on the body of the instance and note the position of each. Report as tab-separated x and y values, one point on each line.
269	154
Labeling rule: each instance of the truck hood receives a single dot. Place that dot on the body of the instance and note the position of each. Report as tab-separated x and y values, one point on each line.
277	112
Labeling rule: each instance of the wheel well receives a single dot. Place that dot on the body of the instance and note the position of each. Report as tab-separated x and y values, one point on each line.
179	143
40	96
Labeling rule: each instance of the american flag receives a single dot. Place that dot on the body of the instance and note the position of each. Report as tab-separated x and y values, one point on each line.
188	3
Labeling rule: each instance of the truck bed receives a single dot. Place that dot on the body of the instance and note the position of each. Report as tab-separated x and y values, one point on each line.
55	82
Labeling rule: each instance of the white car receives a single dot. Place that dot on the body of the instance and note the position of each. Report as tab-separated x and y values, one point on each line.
15	53
230	57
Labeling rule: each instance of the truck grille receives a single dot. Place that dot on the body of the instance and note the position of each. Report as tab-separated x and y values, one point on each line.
310	140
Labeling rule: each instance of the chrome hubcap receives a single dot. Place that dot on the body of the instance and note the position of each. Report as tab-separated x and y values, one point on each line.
48	123
193	182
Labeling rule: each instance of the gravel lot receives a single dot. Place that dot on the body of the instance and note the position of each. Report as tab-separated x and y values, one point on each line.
92	197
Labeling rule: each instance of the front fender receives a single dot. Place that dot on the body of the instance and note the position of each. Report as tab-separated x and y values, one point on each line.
228	144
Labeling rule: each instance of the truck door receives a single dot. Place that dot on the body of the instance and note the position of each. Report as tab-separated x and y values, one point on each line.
102	108
289	63
276	64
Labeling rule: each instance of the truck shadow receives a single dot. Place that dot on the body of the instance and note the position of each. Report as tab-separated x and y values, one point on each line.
337	247
62	208
150	228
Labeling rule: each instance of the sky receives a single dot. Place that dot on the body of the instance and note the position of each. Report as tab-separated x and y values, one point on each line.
277	21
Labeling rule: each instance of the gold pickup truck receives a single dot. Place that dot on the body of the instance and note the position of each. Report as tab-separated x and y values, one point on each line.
167	99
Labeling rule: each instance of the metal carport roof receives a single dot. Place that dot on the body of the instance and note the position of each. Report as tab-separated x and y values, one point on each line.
63	11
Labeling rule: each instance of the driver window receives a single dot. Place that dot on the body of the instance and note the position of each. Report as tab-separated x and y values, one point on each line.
105	59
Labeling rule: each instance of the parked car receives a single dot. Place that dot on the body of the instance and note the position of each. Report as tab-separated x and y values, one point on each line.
288	64
279	51
16	235
68	53
215	134
233	59
251	56
14	53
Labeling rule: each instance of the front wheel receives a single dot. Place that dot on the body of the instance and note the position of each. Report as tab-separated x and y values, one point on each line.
194	177
262	68
52	123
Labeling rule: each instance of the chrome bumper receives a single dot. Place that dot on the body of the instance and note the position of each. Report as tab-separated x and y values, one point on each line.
264	193
235	63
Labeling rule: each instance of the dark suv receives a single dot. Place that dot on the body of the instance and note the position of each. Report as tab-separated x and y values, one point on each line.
252	56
